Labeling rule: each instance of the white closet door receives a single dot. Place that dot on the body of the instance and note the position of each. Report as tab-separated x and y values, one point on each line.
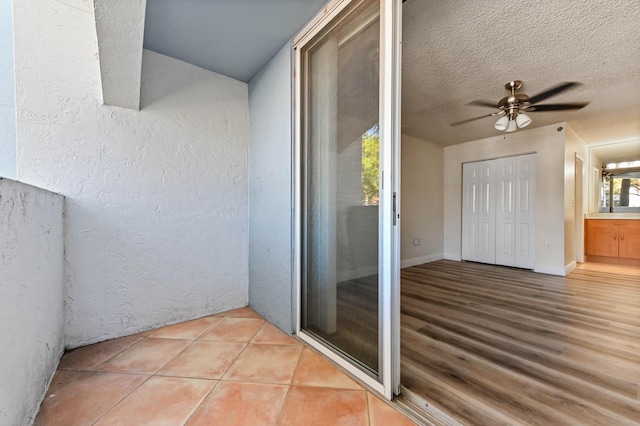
470	202
478	215
525	240
505	169
487	214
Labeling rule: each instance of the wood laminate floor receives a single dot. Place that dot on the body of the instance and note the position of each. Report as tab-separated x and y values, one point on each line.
491	345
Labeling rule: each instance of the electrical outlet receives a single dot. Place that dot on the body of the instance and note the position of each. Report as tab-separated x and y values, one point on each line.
547	246
416	241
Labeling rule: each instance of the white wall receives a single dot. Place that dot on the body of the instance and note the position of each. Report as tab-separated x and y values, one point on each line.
7	94
270	190
549	144
31	297
156	206
573	145
422	201
594	184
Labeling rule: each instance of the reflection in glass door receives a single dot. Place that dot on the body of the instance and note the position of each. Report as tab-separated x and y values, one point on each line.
340	188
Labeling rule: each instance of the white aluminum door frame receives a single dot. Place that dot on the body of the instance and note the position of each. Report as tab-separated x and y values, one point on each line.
389	232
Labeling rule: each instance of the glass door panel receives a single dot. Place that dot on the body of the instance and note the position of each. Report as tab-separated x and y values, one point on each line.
340	184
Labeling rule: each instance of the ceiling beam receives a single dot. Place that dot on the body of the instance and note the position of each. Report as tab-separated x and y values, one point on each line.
120	32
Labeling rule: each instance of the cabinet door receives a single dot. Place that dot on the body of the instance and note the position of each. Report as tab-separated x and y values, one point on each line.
629	240
602	238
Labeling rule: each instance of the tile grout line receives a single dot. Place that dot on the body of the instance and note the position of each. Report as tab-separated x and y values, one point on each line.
196	339
153	374
93	370
366	396
118	353
122	399
106	360
289	386
189	415
201	402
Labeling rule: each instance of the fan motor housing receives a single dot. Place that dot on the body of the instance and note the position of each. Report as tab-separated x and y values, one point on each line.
513	101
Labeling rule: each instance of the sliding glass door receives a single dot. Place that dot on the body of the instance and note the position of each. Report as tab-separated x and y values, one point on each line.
347	180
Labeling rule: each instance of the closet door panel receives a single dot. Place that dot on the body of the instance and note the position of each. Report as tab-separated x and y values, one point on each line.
487	214
505	210
470	210
525	211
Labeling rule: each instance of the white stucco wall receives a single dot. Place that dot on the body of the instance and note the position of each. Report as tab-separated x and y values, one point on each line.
422	201
31	297
7	93
549	144
270	186
156	206
120	31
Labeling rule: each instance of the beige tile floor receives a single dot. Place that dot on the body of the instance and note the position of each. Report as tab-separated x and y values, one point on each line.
233	368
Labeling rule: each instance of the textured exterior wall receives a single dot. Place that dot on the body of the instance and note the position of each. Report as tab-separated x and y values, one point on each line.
7	93
270	202
156	208
120	30
422	201
31	297
549	144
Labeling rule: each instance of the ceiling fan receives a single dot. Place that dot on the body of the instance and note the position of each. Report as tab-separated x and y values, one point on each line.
512	108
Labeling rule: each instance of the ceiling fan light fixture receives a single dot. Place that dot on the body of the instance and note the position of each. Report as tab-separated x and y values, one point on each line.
511	127
502	123
523	120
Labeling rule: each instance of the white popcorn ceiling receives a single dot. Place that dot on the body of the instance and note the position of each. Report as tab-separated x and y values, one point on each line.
456	51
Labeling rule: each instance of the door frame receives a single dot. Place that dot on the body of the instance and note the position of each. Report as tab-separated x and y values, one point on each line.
389	224
578	201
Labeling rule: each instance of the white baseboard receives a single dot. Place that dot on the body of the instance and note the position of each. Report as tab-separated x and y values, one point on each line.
406	263
570	267
551	270
453	256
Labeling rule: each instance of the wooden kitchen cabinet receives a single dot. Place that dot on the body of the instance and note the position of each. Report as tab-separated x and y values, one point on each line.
613	238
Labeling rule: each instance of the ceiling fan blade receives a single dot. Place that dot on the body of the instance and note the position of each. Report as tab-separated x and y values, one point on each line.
556	107
457	123
483	103
553	91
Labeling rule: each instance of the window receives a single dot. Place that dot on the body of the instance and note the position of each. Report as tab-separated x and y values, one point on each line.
370	166
620	191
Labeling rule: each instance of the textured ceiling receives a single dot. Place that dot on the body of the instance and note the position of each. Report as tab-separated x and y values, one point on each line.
617	152
456	51
231	37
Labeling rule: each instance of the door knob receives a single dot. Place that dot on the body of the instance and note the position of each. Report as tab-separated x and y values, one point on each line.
614	235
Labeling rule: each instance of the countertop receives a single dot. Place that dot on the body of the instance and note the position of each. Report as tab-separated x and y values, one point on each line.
613	216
